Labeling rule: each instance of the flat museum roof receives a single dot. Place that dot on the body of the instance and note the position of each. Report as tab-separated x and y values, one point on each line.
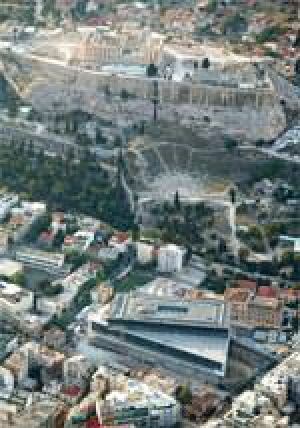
138	306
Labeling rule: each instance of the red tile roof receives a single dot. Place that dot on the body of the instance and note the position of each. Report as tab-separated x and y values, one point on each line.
72	391
268	292
69	240
121	237
93	423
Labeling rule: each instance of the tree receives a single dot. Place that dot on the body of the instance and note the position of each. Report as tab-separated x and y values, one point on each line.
230	144
297	66
255	232
107	91
83	186
287	258
177	203
234	24
244	253
53	290
189	253
269	34
212	6
45	288
44	283
76	259
83	140
135	233
297	41
260	142
41	224
232	195
205	63
19	279
12	108
99	137
142	127
58	239
124	94
152	70
184	394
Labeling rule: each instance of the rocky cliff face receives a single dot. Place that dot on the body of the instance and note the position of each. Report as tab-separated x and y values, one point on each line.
247	114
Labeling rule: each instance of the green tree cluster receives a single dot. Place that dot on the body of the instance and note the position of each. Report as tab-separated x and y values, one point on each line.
269	34
65	184
184	394
234	24
45	288
181	223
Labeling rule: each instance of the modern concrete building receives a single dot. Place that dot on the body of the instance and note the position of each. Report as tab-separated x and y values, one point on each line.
49	262
194	334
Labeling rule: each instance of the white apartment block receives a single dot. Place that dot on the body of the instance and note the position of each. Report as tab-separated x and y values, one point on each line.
7	202
144	252
14	300
170	258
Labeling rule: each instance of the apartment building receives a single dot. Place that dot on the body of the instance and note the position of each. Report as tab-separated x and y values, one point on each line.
70	286
138	404
23	217
170	258
14	300
76	370
7	201
145	252
49	262
250	310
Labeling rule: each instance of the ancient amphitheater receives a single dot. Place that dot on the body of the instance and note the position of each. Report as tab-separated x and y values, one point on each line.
188	163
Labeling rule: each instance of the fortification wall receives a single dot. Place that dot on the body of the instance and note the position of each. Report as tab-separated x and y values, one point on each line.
168	91
247	114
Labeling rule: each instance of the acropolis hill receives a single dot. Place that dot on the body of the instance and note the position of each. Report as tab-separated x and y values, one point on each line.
105	72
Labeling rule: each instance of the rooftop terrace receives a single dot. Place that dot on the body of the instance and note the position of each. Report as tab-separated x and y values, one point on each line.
149	308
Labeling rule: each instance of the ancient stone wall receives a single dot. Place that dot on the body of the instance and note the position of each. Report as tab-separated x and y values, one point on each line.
168	91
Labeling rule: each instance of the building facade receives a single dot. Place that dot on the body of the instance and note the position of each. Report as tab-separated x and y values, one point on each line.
170	258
